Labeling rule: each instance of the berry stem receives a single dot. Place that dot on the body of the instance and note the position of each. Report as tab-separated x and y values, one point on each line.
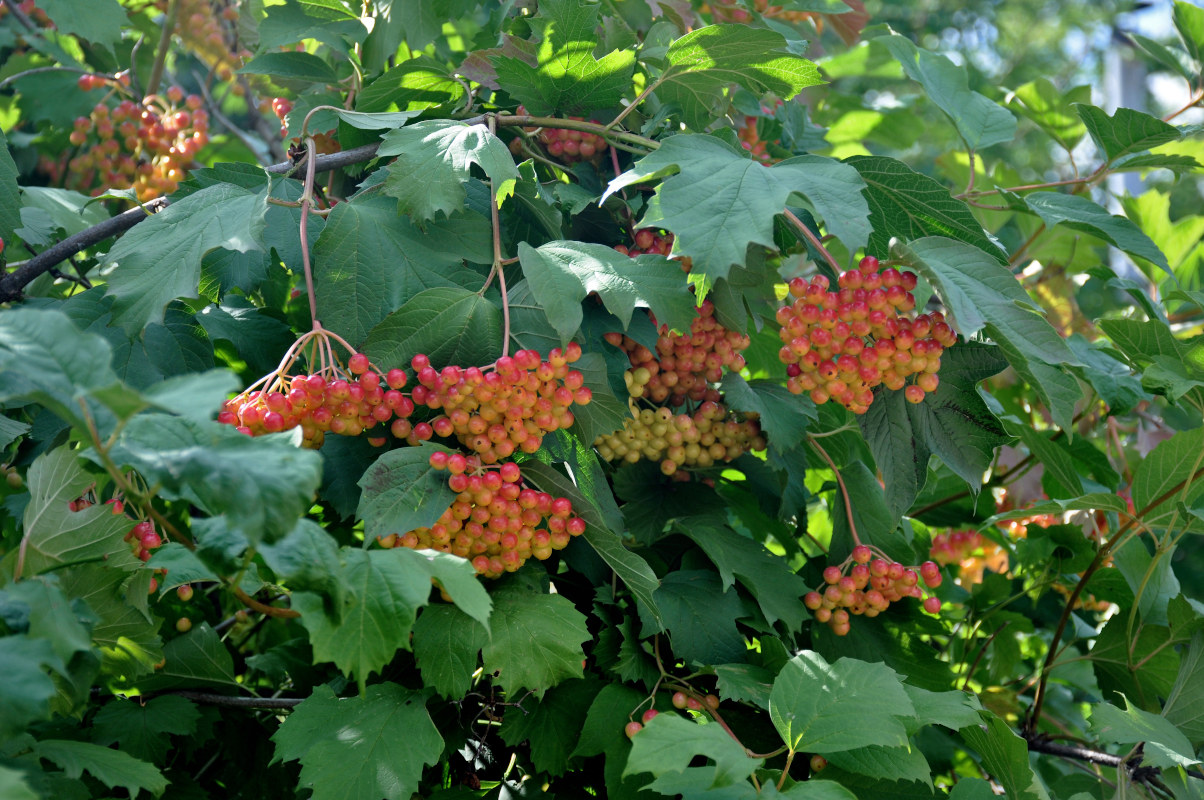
844	491
307	196
647	91
812	238
169	27
498	268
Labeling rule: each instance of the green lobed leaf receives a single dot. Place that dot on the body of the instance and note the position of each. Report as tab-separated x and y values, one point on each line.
143	728
160	259
360	748
113	768
980	121
48	615
908	205
782	416
1165	744
198	659
536	640
705	62
1166	477
1052	109
434	161
262	484
447	645
888	763
385	589
124	630
766	576
451	326
552	725
14	787
55	536
10	193
1189	22
668	743
953	423
744	682
1185	704
1004	757
562	273
1126	131
700	618
717	201
98	21
11	430
812	702
401	492
1081	214
27	689
368	262
954	710
301	67
566	77
1143	667
413	85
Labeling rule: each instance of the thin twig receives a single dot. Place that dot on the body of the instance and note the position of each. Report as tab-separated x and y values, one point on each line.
1195	101
1041	744
226	701
848	505
812	238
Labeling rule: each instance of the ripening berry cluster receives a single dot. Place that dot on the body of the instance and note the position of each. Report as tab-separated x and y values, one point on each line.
684	363
708	436
730	11
29	7
208	28
146	146
840	345
571	146
496	521
651	241
493	412
868	589
141	537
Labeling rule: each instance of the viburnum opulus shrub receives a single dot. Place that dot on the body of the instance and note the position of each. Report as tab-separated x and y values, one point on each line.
454	399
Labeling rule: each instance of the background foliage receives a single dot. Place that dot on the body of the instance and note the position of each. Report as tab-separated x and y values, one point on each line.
193	192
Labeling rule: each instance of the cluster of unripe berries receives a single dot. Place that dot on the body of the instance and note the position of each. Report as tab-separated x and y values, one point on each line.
210	35
684	363
146	146
651	241
12	478
496	521
839	345
709	436
869	587
681	701
493	412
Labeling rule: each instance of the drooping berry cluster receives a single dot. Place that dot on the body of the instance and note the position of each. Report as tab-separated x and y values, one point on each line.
710	435
142	537
684	363
839	345
208	29
570	146
887	582
496	520
146	146
511	407
329	402
652	241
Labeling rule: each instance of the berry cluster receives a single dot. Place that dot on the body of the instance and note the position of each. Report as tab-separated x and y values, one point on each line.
651	241
970	552
496	521
710	435
751	141
141	537
494	413
147	146
570	146
30	9
211	33
684	363
681	701
327	402
730	11
888	582
840	345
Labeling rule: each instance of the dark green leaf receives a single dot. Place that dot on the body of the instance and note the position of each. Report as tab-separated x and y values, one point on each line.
447	646
745	682
705	62
887	763
562	273
1185	703
160	259
402	492
10	194
812	702
1165	745
980	121
536	640
1081	214
26	690
1126	131
700	618
1167	477
98	21
124	631
196	659
304	67
566	77
434	161
1005	757
782	416
368	262
111	767
1142	668
451	326
908	205
667	745
552	725
143	728
360	748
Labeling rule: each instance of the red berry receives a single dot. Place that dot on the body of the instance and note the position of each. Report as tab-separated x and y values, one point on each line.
680	699
862	554
932	605
184	592
632	728
649	714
